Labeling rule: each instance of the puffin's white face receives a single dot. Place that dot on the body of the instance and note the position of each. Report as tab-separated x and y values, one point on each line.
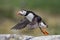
22	12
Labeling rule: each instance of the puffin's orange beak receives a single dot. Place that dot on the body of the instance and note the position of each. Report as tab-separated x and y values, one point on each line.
43	30
18	13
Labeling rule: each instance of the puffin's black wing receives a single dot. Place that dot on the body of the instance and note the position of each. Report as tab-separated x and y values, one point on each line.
22	24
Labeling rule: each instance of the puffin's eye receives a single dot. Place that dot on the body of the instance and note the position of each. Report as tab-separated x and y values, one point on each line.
22	11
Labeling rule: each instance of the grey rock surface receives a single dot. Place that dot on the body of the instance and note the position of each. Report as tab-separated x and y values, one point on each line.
26	37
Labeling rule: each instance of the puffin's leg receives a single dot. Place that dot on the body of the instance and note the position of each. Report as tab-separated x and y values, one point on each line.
43	27
44	31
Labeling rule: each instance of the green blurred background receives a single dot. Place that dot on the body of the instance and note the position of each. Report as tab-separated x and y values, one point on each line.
49	10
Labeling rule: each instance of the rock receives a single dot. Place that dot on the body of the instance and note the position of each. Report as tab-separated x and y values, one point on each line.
26	37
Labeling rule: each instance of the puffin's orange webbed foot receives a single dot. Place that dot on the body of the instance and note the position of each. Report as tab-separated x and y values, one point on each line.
44	32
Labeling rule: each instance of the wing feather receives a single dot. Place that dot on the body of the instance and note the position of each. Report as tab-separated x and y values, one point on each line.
22	24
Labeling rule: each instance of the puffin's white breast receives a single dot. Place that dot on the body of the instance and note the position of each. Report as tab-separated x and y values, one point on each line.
30	17
41	24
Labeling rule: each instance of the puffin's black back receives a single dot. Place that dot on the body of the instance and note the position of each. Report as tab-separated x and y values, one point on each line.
35	16
30	12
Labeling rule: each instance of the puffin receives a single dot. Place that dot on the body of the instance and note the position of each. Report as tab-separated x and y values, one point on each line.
31	20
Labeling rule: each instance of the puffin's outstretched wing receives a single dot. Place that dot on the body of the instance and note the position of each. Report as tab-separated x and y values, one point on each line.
22	24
